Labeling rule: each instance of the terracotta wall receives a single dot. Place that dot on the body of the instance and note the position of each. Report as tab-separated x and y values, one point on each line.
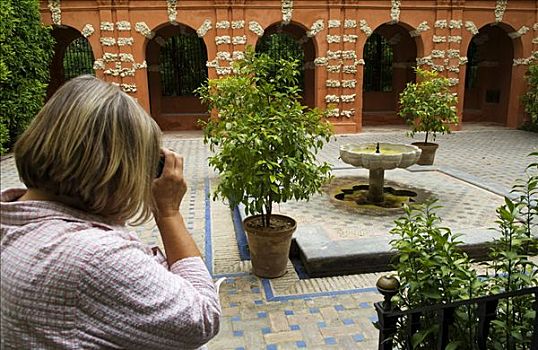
440	25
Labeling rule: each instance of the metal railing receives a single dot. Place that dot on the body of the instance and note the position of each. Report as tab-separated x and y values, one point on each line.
78	59
486	311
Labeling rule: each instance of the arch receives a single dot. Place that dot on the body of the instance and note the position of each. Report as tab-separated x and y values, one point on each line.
73	56
488	74
390	55
293	37
176	59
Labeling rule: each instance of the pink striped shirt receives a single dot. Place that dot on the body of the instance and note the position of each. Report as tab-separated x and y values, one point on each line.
71	281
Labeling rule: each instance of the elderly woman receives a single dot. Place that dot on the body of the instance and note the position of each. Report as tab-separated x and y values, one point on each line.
73	276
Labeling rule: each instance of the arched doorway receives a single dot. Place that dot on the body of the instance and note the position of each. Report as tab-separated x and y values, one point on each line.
176	59
389	56
73	56
488	76
291	42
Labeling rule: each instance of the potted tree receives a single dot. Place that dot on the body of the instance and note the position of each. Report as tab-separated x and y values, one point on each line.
265	145
428	106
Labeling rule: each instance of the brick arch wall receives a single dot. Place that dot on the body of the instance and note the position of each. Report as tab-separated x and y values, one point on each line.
435	23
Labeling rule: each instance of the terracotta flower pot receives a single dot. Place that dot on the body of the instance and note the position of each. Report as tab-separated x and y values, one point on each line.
269	247
428	152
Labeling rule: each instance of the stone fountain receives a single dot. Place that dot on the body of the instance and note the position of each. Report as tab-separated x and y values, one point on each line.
377	158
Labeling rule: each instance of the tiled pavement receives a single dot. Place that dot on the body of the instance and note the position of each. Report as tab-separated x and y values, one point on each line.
318	313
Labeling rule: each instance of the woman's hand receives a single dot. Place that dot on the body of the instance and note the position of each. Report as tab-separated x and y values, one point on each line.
169	189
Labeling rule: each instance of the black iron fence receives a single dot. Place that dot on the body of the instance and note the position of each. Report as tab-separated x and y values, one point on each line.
183	65
486	311
78	59
378	57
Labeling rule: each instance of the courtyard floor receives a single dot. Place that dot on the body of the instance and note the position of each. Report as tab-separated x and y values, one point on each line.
473	169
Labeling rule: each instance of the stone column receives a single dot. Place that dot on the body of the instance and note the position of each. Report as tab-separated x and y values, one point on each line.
377	180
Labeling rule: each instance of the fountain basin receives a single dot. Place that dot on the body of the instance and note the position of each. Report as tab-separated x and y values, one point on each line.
391	155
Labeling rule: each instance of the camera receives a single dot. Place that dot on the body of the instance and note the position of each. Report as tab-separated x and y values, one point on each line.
160	166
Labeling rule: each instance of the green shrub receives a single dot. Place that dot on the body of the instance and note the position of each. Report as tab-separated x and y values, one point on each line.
530	99
26	48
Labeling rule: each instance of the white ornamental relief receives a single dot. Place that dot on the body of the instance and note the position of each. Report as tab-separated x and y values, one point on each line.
500	8
238	55
334	68
239	40
363	25
441	24
321	61
171	9
349	55
333	39
224	56
395	11
128	87
238	24
332	99
125	41
287	11
453	81
87	30
349	69
347	98
350	23
126	57
332	83
333	112
471	27
123	26
453	69
212	64
222	25
438	54
422	27
350	84
334	23
334	55
439	39
107	41
224	39
347	113
454	39
256	28
316	27
55	12
99	64
452	53
142	28
204	28
350	38
106	26
455	24
523	30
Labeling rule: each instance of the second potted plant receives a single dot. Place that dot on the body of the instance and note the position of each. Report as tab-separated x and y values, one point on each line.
428	106
265	145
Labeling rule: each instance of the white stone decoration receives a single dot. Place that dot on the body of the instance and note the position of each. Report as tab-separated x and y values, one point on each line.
424	60
500	8
239	40
471	27
526	61
454	39
441	24
55	12
334	23
238	24
360	61
171	10
333	38
452	53
87	30
224	39
350	69
126	41
535	40
321	61
347	113
128	87
126	57
438	54
142	65
142	28
120	72
438	67
523	30
332	99
316	27
256	28
350	84
334	68
350	38
349	55
439	39
238	55
455	24
453	81
223	70
212	64
287	11
334	55
222	25
110	57
347	98
350	23
106	26
453	69
463	60
99	64
107	41
333	112
224	56
363	25
395	11
422	27
332	83
204	28
535	26
123	26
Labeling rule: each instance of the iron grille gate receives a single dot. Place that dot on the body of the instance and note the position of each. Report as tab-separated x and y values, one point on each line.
183	65
283	46
78	59
378	56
